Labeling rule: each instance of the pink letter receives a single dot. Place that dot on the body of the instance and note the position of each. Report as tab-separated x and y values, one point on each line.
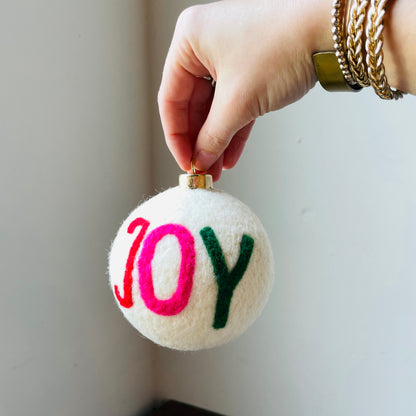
180	298
127	301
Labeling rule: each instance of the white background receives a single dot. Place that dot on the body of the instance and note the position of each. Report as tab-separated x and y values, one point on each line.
332	177
73	162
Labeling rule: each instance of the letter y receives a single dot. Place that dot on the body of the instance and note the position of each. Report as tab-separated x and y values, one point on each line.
227	281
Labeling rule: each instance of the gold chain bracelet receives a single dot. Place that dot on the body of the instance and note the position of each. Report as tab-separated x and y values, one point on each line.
337	21
353	71
374	49
354	42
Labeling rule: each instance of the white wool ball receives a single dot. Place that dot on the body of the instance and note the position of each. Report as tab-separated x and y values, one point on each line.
191	268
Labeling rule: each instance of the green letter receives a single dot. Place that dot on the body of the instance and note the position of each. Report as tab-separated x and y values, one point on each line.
227	281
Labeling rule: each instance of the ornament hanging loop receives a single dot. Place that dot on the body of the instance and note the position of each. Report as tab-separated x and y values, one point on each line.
195	180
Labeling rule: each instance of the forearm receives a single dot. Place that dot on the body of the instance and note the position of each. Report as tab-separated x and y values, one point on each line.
400	45
260	55
399	40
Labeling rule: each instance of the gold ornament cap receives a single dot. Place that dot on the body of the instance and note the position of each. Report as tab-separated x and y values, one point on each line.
195	180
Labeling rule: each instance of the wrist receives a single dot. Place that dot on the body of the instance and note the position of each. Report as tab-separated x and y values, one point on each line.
399	41
321	31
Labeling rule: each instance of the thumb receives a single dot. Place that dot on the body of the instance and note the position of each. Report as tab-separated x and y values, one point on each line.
225	118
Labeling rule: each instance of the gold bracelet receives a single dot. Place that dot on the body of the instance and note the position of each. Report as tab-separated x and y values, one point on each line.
329	73
374	49
332	67
354	42
338	24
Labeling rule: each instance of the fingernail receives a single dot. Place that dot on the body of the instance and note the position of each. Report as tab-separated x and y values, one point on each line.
204	160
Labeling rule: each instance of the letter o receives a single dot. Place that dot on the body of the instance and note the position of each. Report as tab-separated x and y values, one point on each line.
180	298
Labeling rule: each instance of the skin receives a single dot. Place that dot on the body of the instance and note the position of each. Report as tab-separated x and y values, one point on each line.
259	53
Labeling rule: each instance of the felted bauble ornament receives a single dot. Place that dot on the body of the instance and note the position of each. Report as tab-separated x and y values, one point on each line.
192	267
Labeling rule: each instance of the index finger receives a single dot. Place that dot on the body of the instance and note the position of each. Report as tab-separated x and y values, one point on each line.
180	92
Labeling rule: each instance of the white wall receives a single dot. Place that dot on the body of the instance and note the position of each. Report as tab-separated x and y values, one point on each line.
73	162
337	337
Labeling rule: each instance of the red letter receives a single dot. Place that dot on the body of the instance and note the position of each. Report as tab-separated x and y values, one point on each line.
127	301
180	298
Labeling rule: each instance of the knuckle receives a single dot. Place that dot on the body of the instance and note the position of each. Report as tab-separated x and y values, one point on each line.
161	103
188	18
161	98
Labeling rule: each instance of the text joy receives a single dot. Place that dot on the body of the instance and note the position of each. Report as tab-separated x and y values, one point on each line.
226	280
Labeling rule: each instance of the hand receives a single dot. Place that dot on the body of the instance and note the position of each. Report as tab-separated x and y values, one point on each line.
258	52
